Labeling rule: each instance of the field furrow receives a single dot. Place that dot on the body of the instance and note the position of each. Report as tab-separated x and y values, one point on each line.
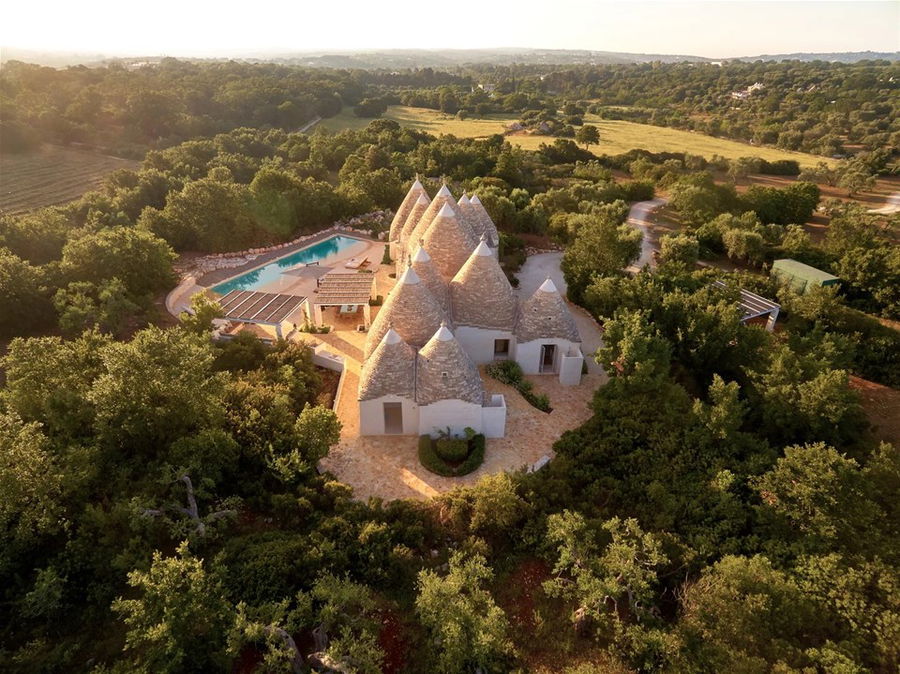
51	176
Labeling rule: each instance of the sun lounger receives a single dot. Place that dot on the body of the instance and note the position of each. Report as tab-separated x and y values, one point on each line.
355	262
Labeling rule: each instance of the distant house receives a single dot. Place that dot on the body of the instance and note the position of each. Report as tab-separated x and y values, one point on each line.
801	277
749	91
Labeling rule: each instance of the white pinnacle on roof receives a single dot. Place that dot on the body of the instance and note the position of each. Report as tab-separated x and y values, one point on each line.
410	309
464	199
391	337
449	241
412	196
545	315
480	293
443	192
443	334
389	370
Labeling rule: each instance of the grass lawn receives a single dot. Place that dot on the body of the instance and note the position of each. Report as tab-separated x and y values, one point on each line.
615	136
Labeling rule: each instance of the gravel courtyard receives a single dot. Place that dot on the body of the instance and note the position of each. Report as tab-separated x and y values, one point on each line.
387	467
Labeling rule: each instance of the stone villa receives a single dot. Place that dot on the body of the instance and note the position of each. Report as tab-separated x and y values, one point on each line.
451	310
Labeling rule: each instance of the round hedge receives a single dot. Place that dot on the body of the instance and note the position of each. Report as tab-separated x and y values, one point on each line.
429	458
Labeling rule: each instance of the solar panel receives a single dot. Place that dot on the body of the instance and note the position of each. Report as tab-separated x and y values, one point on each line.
256	307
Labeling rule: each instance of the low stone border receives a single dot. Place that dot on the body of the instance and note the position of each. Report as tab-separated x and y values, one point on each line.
529	251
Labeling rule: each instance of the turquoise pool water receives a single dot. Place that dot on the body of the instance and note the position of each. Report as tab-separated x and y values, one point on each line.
255	279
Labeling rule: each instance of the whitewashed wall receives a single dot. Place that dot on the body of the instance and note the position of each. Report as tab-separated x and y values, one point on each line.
457	414
493	418
371	415
528	354
479	343
570	366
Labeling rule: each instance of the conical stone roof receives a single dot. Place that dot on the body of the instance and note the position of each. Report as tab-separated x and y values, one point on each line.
445	372
404	209
470	215
449	241
410	309
488	228
480	293
545	315
390	370
423	266
415	214
441	199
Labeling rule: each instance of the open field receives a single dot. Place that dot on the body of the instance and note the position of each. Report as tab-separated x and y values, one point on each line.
52	175
615	136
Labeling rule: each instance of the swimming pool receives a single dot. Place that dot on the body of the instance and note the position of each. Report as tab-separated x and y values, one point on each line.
269	273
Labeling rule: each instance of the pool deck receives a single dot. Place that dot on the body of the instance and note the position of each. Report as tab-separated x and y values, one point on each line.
219	275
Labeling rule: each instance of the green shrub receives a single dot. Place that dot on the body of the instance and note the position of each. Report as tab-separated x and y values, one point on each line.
507	372
452	450
428	456
510	372
538	400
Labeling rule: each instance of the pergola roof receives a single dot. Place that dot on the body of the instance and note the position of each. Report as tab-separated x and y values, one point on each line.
256	307
751	304
336	288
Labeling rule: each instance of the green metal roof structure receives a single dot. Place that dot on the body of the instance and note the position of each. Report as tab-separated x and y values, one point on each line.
801	276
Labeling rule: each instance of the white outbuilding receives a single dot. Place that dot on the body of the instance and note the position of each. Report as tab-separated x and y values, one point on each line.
547	340
449	391
387	389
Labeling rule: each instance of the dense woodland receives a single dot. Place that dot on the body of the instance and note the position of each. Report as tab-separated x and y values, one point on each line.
725	507
817	107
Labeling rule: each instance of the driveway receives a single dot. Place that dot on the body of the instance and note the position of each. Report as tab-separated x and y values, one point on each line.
638	218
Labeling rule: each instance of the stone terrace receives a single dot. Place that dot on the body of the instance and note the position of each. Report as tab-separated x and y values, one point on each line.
388	467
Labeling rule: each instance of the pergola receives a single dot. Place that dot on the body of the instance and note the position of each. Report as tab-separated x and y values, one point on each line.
271	309
755	306
344	290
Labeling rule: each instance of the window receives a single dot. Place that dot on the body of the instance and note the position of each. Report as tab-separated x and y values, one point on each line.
501	349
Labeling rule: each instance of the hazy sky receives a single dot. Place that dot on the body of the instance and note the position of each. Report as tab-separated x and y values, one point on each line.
225	27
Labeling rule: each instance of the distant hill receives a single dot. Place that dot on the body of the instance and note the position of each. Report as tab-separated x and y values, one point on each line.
54	59
436	58
839	57
443	58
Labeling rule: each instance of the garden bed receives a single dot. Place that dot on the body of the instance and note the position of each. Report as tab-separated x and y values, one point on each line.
451	457
510	372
